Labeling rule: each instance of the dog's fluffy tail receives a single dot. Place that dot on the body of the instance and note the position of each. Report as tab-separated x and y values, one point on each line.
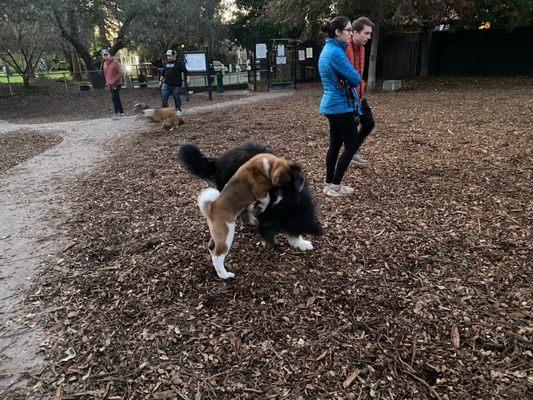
196	162
149	112
138	106
206	197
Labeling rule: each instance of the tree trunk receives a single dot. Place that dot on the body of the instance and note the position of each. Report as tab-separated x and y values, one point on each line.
71	34
76	66
371	84
11	61
26	80
96	75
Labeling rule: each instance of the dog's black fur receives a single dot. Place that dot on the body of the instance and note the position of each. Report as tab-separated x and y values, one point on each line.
366	120
291	209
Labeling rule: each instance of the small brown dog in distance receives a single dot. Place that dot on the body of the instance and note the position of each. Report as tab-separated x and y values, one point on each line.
165	115
251	183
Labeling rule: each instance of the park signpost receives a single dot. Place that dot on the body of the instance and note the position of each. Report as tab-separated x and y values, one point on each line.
197	61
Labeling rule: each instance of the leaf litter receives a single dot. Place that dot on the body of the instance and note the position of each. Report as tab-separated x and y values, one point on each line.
419	288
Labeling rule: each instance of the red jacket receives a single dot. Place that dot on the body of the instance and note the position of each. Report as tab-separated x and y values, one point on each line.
356	55
112	72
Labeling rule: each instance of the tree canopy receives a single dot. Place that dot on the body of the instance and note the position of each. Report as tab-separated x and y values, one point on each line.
272	17
151	26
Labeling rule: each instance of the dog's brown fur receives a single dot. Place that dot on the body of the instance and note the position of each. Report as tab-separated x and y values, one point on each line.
251	183
165	115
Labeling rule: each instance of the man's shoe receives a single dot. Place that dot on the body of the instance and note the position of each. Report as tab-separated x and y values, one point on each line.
179	113
359	160
115	117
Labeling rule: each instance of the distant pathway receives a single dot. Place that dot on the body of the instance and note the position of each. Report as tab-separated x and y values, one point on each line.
33	209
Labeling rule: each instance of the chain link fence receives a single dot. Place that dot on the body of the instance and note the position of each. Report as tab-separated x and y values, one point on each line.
134	76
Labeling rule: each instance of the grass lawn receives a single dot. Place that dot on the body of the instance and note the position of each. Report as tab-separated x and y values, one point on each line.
16	78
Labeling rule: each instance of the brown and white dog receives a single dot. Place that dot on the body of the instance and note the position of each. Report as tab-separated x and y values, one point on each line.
165	115
249	184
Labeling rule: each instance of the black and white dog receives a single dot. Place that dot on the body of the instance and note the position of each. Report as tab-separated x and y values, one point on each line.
291	209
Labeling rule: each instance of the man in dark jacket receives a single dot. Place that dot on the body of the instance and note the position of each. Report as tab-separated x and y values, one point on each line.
172	80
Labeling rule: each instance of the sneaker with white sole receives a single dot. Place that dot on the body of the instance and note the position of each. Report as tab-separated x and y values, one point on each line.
179	113
359	160
340	191
329	186
116	117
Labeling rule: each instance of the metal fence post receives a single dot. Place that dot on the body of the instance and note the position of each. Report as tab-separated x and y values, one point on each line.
209	65
187	96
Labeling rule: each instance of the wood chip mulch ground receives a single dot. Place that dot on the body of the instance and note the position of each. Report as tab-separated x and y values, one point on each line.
21	145
420	287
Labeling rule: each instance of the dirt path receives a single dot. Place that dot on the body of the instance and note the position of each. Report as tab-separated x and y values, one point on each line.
33	207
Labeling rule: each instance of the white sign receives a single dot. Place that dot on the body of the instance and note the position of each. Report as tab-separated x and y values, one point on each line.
309	52
281	60
301	55
281	50
195	62
260	50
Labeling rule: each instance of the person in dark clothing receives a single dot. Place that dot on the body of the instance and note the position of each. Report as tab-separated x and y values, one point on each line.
172	80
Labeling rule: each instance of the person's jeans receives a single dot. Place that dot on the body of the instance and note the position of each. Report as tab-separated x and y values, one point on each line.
174	91
116	99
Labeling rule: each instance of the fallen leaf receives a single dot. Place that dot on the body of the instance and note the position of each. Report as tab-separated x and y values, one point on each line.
456	339
321	356
348	381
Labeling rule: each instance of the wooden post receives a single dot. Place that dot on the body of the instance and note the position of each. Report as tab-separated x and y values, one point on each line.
9	84
373	58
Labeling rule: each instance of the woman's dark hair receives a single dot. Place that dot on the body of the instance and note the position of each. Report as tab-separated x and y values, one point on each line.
339	22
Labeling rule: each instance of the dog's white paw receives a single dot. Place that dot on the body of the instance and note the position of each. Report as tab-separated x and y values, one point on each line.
305	245
226	275
300	243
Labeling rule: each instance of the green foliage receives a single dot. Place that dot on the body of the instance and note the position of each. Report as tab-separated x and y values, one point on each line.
506	14
254	23
24	35
308	15
173	24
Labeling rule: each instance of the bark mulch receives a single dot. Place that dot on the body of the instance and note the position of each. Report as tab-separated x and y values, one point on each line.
19	146
420	287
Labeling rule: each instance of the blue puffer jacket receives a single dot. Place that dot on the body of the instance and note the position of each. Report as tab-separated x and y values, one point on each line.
333	65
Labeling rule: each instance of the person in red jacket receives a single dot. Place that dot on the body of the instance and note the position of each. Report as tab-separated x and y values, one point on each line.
362	33
113	79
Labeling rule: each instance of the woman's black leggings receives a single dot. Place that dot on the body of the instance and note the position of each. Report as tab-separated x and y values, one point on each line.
342	130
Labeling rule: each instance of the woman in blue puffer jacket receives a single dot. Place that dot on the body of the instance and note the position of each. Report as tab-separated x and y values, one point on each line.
338	78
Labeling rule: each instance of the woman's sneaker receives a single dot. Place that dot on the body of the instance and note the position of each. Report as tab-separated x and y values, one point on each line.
339	190
357	159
